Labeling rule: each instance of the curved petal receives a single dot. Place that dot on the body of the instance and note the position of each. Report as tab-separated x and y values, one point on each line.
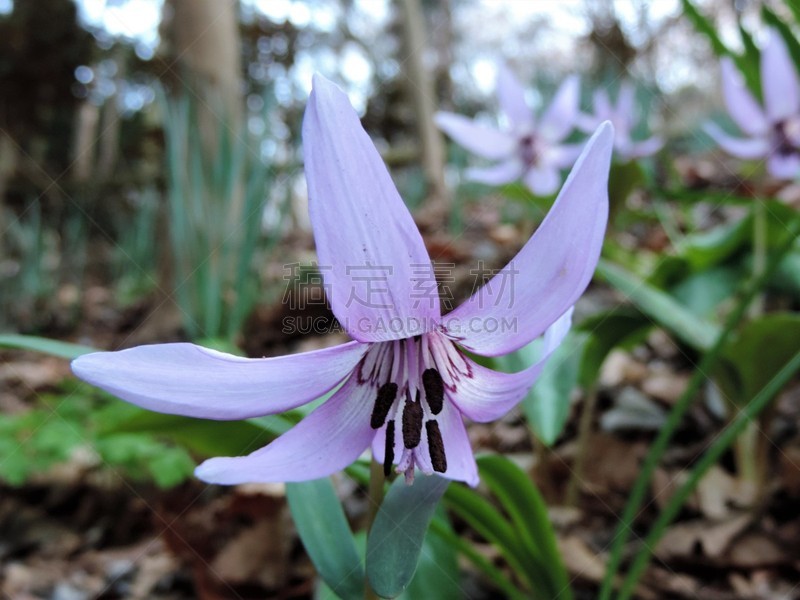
479	139
490	394
504	172
779	79
559	118
602	105
378	273
588	123
458	450
644	148
626	102
327	440
511	96
551	271
185	379
738	147
543	180
564	156
784	166
742	107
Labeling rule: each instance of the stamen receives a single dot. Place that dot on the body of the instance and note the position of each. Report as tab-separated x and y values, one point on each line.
412	423
386	395
434	389
388	453
436	447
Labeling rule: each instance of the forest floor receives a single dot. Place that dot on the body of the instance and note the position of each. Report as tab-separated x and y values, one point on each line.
77	531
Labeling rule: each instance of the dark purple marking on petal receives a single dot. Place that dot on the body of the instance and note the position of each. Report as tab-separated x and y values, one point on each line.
434	389
436	447
388	454
412	423
383	403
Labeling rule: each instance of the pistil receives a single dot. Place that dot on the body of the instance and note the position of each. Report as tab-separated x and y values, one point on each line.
411	377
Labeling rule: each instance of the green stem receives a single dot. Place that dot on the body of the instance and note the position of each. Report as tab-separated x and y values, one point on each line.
706	365
572	494
375	492
746	453
759	250
744	419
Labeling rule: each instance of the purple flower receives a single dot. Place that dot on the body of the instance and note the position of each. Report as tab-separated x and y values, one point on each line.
526	150
774	130
623	116
405	383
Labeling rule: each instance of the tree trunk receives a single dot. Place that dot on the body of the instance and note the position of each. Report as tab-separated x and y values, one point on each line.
423	95
204	43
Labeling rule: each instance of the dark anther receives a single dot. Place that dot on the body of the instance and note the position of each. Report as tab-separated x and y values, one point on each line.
412	424
386	395
436	447
434	389
388	453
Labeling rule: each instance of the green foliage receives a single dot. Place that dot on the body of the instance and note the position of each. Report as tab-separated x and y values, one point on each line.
720	445
547	404
73	420
322	526
135	252
747	63
783	245
660	306
784	29
395	541
520	529
623	178
216	203
44	345
758	352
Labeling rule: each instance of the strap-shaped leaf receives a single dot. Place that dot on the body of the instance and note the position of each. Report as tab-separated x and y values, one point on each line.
395	540
326	535
528	512
772	19
44	345
546	405
662	308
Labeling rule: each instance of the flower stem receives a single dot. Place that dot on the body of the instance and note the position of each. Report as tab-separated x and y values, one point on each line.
374	499
707	363
572	494
747	452
759	251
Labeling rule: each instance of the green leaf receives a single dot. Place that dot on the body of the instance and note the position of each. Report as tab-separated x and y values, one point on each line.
659	306
438	565
205	437
703	292
709	248
794	7
143	457
44	345
487	521
762	347
395	540
606	331
789	38
495	575
623	178
707	28
326	535
528	511
546	405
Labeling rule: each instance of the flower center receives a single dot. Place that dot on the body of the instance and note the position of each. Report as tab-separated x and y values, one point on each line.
529	150
410	378
786	136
